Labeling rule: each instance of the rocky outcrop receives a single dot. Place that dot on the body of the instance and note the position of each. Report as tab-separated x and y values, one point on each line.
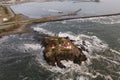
60	48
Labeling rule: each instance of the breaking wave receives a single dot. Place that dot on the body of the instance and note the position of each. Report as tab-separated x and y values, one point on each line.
101	58
95	48
3	39
101	20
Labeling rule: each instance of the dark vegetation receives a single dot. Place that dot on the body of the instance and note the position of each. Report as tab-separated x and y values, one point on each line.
11	28
5	9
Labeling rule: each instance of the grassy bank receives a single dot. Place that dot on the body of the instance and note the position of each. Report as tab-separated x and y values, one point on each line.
17	23
10	28
4	9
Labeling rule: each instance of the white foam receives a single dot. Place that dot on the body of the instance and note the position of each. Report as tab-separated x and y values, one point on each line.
108	77
101	20
114	51
92	43
109	60
106	20
63	22
82	78
68	34
3	39
70	66
41	30
29	47
91	75
32	46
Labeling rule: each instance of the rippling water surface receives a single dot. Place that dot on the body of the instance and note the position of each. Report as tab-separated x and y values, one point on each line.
44	9
21	55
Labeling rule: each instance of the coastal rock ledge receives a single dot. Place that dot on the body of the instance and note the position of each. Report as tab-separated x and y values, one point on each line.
61	48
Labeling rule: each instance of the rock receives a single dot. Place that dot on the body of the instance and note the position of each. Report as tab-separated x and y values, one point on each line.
60	48
57	49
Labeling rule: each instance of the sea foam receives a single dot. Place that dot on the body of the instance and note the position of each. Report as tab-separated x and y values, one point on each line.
92	44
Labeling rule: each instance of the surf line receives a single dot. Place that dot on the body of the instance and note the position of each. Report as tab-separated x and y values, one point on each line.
22	26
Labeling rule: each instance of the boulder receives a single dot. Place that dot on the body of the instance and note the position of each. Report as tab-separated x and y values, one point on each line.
59	48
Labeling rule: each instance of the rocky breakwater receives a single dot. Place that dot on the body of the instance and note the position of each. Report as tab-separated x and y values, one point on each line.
60	48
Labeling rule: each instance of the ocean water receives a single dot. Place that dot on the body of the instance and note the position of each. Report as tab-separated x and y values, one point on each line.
45	9
21	56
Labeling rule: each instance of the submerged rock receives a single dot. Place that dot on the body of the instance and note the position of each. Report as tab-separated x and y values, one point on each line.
60	48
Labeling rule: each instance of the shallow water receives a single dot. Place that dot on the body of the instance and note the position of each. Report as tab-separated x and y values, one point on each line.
38	10
21	56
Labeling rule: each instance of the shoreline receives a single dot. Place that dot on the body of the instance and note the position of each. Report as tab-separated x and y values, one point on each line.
25	23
